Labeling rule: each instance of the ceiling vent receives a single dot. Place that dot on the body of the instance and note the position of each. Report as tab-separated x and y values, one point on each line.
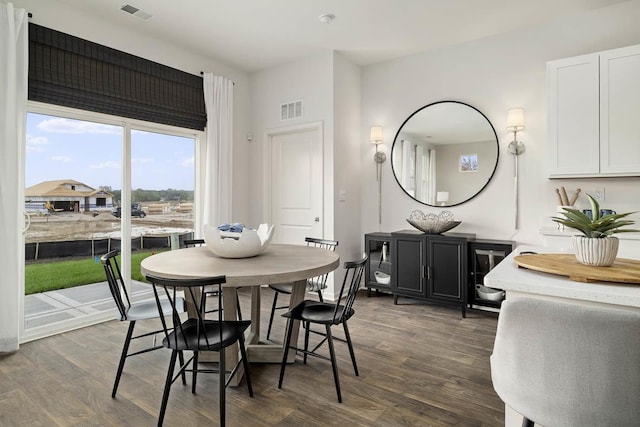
135	11
291	110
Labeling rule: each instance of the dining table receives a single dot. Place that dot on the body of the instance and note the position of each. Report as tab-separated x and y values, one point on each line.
278	263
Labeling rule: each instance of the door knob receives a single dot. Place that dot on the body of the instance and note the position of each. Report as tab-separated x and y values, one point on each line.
317	219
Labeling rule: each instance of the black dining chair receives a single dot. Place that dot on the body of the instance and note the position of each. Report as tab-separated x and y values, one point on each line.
327	314
132	312
192	243
198	334
314	284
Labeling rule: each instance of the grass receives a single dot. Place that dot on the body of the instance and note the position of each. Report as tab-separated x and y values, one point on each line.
43	277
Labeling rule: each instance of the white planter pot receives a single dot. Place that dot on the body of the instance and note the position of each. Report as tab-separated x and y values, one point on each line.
595	252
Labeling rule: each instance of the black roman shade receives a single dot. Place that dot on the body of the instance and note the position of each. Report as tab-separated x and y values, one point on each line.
73	72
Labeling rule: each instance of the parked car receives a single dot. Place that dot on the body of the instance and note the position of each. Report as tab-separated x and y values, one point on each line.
135	212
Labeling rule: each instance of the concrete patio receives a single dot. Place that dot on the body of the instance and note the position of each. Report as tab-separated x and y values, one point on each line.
73	303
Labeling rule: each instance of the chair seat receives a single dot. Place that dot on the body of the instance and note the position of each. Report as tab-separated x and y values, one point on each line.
149	309
286	288
318	312
186	337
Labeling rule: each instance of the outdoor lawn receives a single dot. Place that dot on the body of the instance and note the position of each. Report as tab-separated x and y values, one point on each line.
43	277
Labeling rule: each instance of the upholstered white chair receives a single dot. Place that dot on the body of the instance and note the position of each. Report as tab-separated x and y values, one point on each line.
564	364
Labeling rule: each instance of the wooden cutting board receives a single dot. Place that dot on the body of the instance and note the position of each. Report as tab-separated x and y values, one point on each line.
622	271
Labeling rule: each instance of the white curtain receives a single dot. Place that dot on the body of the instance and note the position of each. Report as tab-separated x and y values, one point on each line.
13	113
431	180
218	98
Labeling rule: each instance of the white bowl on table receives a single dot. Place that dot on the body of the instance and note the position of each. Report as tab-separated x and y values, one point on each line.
245	244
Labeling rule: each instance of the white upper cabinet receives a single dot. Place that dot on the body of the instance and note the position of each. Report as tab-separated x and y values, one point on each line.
594	114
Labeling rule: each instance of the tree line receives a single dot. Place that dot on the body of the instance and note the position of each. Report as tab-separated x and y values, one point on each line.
140	195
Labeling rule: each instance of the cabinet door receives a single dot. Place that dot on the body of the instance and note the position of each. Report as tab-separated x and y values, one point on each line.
378	247
409	265
620	111
573	108
446	269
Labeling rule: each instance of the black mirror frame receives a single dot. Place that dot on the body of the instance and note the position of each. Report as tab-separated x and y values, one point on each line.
477	192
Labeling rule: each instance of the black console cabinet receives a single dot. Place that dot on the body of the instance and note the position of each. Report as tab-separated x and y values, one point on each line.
432	267
439	268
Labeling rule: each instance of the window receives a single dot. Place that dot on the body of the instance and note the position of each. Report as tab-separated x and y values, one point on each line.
81	168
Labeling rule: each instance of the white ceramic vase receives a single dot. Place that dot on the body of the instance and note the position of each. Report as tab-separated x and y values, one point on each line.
596	252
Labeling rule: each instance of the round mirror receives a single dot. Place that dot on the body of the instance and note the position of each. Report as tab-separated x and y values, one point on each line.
445	153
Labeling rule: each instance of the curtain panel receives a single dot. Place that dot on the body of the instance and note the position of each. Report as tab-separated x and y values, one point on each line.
218	94
73	72
13	116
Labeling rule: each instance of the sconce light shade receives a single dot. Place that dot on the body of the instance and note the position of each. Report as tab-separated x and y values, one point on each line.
376	135
515	119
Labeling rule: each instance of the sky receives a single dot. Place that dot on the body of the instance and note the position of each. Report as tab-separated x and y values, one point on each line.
61	148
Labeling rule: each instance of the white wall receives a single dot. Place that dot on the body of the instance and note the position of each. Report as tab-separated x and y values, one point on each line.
59	16
493	75
310	80
330	86
346	158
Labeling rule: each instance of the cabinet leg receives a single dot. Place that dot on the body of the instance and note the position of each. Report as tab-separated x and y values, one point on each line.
395	300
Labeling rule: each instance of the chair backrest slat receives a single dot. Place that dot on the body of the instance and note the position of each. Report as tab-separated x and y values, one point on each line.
350	285
192	243
321	281
194	290
116	283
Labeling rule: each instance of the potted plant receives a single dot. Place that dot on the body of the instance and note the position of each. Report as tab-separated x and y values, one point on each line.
596	246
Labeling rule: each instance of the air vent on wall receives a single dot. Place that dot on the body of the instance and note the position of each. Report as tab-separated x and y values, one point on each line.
291	110
135	11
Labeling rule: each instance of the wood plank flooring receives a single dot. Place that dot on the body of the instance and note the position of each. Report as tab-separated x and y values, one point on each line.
420	365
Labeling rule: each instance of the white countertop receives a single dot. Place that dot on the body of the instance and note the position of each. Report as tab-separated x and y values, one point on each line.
568	232
509	277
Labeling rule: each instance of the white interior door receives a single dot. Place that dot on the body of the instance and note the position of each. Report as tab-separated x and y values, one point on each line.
294	182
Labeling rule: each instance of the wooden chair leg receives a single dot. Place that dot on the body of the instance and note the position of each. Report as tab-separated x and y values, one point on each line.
123	357
273	312
181	360
287	339
167	387
334	365
306	341
347	335
526	422
222	387
195	372
245	364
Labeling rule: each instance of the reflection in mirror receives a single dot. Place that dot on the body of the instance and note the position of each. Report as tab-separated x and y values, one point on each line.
445	147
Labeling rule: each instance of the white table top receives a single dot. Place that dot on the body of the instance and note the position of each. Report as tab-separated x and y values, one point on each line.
508	276
277	264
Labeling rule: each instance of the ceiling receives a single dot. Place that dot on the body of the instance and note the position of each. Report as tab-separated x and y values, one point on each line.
257	34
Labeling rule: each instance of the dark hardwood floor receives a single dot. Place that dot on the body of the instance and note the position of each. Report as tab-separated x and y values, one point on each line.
420	365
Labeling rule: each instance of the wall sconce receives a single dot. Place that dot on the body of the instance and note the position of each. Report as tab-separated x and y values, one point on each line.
377	139
515	123
379	157
442	197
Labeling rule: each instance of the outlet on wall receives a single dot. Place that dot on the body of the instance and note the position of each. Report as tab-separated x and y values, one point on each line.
598	194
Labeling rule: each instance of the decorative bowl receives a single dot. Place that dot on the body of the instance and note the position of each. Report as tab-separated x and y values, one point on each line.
489	293
432	223
246	244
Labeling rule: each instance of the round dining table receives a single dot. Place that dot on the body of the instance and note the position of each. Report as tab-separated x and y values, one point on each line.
277	264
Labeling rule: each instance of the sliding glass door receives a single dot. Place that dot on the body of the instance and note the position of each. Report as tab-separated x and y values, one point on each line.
96	183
